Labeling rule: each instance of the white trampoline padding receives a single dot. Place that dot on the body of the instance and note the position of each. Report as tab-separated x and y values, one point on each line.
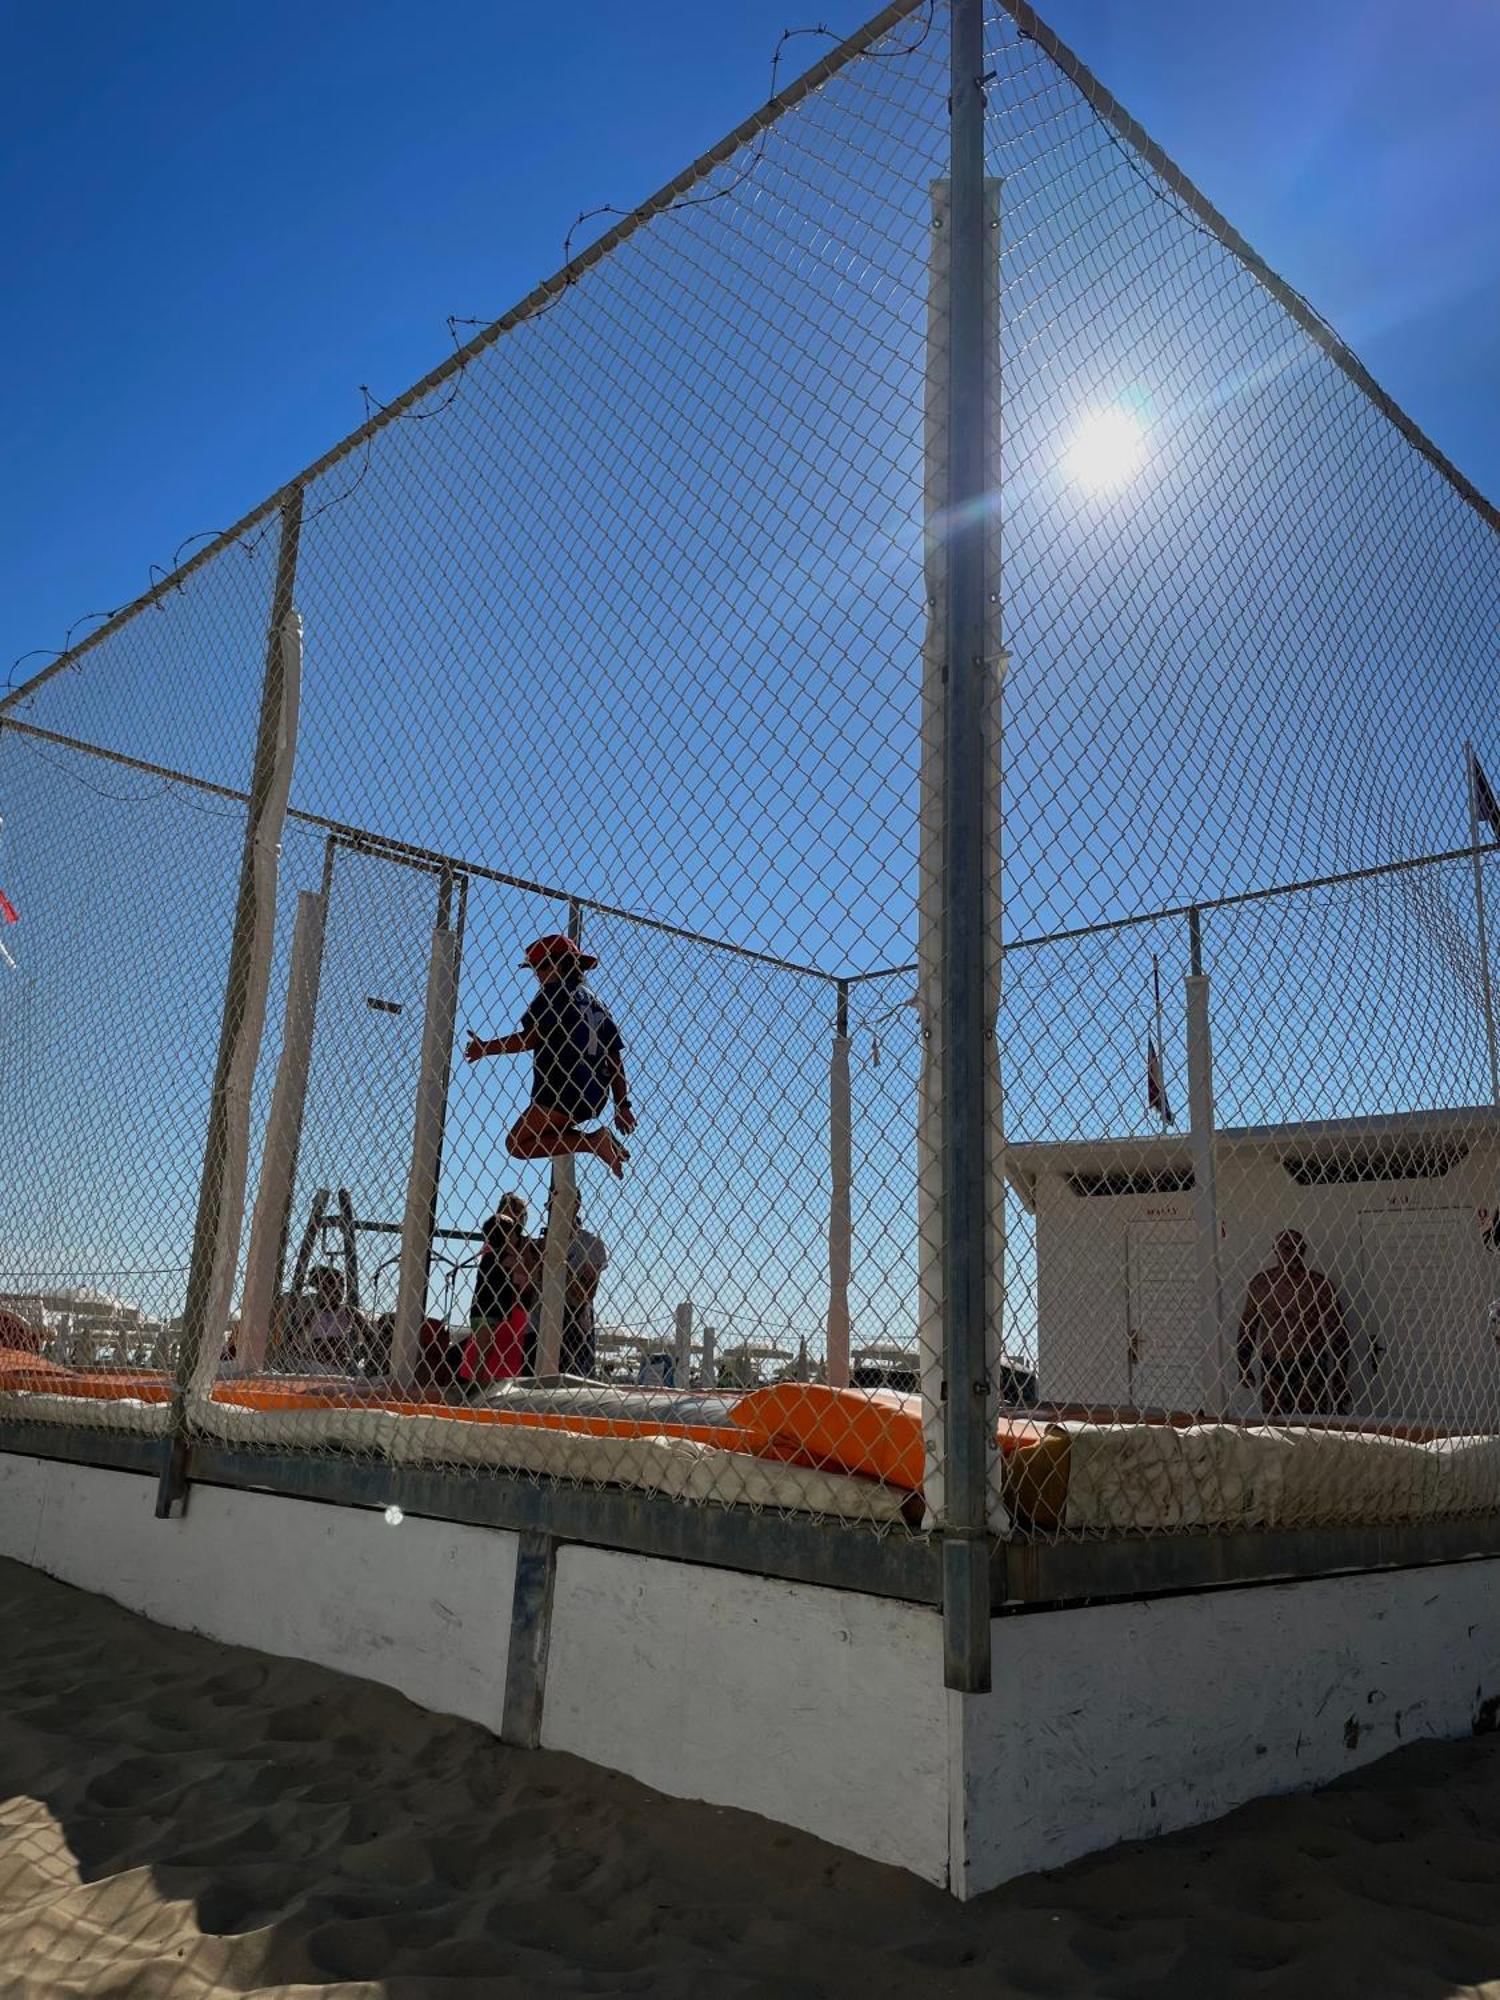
88	1413
680	1468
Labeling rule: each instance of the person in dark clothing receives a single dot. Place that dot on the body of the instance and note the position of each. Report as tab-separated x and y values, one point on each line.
504	1296
578	1062
1293	1327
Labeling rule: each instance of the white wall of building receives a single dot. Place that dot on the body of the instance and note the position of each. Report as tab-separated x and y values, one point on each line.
424	1607
1128	1720
1416	1295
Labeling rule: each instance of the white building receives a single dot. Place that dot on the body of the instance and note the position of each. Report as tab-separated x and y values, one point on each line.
1400	1212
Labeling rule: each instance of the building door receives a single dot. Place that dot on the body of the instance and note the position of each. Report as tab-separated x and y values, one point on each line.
1163	1278
1423	1307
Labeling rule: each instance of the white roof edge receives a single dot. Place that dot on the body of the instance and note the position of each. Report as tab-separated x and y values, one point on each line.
1033	1154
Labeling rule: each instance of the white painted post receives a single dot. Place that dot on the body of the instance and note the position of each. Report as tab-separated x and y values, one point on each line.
271	1219
562	1214
426	1151
840	1211
682	1367
221	1214
1200	1067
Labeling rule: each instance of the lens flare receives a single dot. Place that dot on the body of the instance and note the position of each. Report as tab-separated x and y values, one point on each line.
1106	450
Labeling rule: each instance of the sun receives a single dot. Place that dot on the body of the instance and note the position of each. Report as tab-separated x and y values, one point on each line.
1105	451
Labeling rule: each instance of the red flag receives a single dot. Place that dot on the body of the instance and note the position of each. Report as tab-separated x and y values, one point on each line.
1156	1083
8	913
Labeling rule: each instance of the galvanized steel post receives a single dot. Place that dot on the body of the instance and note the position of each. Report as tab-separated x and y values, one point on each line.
965	1175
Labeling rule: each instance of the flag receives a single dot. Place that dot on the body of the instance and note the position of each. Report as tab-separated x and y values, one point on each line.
1156	1083
8	912
1486	805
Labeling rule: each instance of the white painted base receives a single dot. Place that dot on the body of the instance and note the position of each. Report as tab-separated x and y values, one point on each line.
822	1709
424	1607
1128	1720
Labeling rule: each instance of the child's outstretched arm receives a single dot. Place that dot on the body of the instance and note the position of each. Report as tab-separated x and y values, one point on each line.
502	1045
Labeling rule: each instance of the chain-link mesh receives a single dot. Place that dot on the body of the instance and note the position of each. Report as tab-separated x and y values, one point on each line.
1250	628
615	635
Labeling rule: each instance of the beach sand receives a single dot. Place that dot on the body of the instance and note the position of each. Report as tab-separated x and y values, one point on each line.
179	1817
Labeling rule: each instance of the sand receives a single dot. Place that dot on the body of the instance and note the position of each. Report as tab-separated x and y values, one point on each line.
179	1817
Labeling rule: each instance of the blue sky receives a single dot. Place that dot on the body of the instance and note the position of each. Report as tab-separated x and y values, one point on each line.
229	219
222	220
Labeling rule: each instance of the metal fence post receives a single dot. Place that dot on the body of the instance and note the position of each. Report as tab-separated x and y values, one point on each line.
429	1120
965	1134
682	1346
840	1218
557	1240
1471	772
270	1223
220	1199
1201	1139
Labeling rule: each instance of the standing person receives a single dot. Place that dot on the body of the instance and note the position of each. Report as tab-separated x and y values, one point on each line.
1293	1325
504	1294
587	1258
328	1340
578	1062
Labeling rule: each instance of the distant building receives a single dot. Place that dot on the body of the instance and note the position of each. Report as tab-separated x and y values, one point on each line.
1399	1212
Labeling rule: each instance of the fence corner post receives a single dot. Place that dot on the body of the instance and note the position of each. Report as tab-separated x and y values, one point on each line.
221	1183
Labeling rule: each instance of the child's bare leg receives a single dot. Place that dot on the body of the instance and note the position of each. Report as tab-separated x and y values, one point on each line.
540	1133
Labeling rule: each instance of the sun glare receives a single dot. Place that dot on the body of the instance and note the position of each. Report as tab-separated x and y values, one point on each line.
1106	450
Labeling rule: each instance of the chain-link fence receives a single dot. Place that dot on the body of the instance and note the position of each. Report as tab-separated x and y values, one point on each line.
665	622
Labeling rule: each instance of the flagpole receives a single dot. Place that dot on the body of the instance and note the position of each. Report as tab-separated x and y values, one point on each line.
1161	1046
1471	769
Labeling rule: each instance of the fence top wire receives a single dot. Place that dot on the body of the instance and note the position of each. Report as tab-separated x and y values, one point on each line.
1203	906
535	301
382	845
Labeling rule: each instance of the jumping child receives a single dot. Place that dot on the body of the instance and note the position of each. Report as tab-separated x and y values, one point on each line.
578	1062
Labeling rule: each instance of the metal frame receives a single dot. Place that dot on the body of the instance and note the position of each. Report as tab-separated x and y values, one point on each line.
1024	1576
362	840
1108	108
1041	1575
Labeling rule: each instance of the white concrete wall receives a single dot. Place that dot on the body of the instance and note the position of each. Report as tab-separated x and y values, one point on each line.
1129	1720
819	1708
424	1607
